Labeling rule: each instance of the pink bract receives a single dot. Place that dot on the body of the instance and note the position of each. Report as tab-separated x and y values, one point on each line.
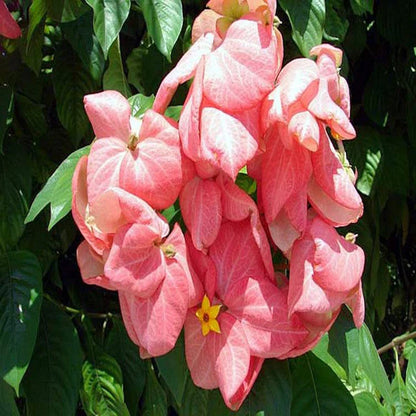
326	272
8	26
254	322
143	158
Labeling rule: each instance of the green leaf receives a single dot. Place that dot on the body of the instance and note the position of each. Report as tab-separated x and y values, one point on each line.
336	22
20	302
15	185
195	401
109	17
7	404
367	405
71	82
146	67
321	351
359	7
119	346
154	398
65	10
6	105
307	19
318	391
164	22
140	103
57	190
380	95
102	390
32	115
173	368
174	112
395	175
366	155
399	391
80	35
272	391
31	49
114	77
411	379
37	11
371	363
344	345
51	383
409	347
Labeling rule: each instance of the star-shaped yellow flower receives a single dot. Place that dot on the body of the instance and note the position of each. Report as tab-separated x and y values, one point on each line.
207	314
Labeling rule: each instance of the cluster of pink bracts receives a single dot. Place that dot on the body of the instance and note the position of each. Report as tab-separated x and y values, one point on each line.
218	281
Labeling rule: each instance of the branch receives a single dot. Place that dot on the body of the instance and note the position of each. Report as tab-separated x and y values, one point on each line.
73	311
396	341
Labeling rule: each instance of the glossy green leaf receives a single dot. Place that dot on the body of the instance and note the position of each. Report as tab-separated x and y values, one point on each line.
114	77
344	345
109	17
411	379
173	368
37	11
6	104
195	401
365	153
336	22
51	383
380	95
15	186
7	403
20	302
360	7
32	115
102	390
174	112
71	82
371	363
65	10
399	391
164	22
140	103
154	401
57	190
321	351
318	391
146	67
272	391
307	19
80	35
119	346
409	347
367	405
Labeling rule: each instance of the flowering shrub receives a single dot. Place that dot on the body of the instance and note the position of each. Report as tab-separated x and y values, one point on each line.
219	282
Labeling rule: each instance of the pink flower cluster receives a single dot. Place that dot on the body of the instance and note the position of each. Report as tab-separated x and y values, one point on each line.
218	280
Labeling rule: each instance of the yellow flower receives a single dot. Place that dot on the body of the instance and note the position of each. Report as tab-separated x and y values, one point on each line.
207	314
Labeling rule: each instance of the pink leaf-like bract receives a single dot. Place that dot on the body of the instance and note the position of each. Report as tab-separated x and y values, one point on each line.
8	26
225	141
156	322
200	202
242	70
109	113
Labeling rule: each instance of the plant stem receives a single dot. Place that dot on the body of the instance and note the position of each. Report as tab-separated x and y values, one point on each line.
73	311
396	341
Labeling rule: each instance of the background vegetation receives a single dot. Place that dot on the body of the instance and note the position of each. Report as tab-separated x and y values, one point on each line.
63	348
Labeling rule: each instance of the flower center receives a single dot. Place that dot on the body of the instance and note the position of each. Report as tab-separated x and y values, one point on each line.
207	315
